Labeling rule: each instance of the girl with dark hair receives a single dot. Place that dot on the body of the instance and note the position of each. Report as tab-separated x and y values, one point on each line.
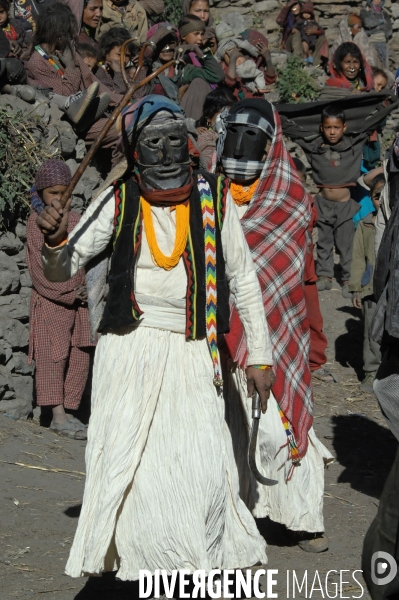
199	8
215	102
109	54
350	70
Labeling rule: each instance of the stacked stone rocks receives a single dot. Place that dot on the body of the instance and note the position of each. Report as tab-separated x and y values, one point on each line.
16	376
243	14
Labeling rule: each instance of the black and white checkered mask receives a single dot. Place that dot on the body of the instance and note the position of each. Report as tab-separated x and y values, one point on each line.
241	143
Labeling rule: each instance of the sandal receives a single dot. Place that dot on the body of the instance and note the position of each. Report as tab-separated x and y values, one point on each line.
72	429
325	375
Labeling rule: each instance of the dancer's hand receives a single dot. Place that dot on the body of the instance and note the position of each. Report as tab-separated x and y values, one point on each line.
261	381
53	222
357	300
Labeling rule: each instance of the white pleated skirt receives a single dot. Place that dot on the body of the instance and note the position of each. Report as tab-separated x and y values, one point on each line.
162	489
297	503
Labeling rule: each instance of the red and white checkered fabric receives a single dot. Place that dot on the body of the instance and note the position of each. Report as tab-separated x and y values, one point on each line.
275	226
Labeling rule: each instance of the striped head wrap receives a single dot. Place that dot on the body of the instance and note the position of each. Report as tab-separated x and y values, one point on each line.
52	172
243	169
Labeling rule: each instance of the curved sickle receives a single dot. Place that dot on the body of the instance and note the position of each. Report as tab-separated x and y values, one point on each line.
256	414
97	143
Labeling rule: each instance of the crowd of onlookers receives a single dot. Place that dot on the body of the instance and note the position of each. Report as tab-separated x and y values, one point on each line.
69	52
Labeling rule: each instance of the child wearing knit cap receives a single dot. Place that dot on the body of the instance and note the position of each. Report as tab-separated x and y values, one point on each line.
59	336
309	29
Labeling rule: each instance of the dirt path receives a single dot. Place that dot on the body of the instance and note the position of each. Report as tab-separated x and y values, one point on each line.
40	507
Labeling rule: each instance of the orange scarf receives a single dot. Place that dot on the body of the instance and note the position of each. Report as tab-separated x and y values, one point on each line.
182	228
242	194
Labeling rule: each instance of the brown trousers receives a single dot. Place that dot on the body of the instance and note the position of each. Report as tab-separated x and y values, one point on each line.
294	45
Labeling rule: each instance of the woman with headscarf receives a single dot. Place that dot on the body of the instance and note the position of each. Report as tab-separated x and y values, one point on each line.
162	487
275	211
199	8
349	73
59	335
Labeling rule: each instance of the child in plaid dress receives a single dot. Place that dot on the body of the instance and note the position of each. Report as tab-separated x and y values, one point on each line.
59	318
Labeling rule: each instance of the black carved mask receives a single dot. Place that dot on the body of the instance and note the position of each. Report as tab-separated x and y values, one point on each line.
162	156
244	143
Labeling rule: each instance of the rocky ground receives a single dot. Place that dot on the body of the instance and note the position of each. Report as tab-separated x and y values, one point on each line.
42	480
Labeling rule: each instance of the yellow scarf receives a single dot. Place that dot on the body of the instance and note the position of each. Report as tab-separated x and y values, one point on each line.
182	228
242	194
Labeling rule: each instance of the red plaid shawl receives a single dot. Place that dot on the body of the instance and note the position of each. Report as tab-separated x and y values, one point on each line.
275	226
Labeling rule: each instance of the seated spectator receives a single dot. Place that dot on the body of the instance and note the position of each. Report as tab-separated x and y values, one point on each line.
165	36
215	102
124	13
92	13
361	283
12	73
248	68
54	65
351	30
349	70
18	32
199	71
380	79
378	26
314	42
291	39
89	55
109	55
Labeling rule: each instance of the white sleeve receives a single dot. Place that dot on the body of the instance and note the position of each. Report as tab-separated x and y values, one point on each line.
93	232
90	237
245	288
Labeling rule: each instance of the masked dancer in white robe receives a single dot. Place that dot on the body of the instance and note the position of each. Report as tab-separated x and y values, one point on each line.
162	488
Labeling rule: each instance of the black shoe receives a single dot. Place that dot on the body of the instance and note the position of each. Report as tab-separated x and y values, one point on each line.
76	106
98	108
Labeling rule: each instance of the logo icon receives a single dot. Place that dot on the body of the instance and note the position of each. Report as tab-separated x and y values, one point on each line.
386	566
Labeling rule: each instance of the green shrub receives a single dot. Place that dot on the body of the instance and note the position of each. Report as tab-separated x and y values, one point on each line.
20	157
295	84
173	12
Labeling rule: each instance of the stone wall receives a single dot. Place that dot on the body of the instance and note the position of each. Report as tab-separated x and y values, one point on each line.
243	14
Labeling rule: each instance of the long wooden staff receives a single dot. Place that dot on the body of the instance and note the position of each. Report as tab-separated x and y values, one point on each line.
132	87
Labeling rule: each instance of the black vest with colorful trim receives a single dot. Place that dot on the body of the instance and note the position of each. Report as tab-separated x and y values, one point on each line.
121	308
